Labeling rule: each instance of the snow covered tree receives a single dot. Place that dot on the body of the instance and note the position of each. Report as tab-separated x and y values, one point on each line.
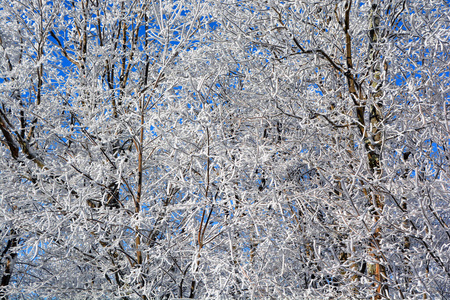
91	111
342	109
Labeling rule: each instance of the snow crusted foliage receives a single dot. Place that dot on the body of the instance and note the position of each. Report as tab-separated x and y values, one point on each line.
224	149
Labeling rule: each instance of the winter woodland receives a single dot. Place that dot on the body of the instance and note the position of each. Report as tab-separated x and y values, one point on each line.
224	149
